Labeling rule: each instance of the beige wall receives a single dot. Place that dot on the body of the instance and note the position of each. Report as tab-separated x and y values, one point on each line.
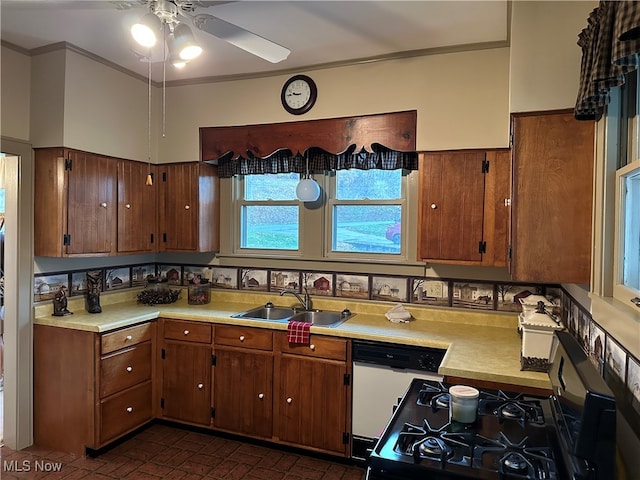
106	111
15	83
47	99
461	99
545	58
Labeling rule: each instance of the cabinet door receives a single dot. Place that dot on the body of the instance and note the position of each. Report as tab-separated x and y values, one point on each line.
246	405
553	157
180	212
137	208
312	403
497	209
186	382
451	206
91	204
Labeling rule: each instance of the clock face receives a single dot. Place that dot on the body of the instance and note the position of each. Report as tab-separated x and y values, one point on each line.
299	94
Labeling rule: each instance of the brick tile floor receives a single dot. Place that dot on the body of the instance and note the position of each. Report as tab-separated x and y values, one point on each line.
166	452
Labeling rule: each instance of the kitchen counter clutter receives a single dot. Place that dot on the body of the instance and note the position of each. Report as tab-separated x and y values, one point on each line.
481	346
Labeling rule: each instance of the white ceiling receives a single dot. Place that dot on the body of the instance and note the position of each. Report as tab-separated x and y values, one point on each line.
318	33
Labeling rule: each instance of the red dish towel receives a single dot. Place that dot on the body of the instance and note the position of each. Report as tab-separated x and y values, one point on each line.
298	332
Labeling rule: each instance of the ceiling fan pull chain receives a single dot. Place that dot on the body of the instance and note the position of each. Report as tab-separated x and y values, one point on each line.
164	79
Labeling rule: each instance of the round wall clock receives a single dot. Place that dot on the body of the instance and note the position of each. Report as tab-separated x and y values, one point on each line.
299	94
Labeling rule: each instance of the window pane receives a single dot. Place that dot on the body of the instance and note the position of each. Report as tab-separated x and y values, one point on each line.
281	186
631	262
367	228
372	184
270	227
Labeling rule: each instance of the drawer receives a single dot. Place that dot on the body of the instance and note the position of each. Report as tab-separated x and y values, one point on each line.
321	347
126	337
125	411
187	331
248	337
124	369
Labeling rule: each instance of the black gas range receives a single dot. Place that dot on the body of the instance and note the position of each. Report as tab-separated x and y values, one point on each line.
569	435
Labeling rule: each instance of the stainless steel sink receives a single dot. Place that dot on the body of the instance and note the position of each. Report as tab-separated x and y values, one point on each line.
269	312
323	318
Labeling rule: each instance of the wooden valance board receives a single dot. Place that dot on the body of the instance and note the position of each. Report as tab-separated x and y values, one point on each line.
396	131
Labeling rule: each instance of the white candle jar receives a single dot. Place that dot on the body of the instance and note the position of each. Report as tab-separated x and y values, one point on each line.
463	403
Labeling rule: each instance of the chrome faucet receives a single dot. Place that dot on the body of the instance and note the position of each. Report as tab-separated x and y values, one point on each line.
305	302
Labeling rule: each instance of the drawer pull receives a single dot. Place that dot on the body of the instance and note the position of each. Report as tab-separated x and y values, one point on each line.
434	206
261	396
200	386
289	400
129	368
186	207
186	332
129	409
312	347
128	205
103	204
242	338
129	337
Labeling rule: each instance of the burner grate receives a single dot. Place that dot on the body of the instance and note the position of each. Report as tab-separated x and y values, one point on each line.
511	408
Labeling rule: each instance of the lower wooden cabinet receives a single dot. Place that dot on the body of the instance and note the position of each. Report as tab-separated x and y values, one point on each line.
244	381
90	389
186	362
312	394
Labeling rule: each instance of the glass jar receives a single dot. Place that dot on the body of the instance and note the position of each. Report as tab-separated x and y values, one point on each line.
199	293
463	403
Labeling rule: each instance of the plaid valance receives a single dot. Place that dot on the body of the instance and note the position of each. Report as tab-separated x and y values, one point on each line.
610	46
283	161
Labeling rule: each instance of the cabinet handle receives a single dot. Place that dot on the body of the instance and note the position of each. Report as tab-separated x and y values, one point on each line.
200	386
103	204
128	205
129	337
507	202
261	396
129	369
187	207
434	206
129	409
289	400
242	338
312	347
186	332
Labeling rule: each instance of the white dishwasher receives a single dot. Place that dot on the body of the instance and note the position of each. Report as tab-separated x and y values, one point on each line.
382	373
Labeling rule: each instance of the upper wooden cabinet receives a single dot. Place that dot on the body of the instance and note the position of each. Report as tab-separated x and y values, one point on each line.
189	207
463	215
75	203
137	208
553	156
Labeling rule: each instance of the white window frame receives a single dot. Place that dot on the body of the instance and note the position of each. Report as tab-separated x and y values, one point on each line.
240	203
366	256
618	137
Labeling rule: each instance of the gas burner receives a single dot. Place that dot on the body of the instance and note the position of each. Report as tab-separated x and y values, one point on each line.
515	460
512	408
433	395
432	447
441	401
438	445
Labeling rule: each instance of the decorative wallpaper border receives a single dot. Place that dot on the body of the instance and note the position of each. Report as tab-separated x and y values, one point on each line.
435	291
615	364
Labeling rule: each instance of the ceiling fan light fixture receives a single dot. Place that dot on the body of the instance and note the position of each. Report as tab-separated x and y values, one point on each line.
145	31
185	43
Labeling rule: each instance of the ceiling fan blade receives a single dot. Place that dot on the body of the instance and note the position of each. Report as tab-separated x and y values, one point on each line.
241	38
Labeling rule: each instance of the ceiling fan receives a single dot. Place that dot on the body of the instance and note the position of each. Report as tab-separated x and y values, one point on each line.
173	14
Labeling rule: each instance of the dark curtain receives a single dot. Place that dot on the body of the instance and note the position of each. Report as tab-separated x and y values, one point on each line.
610	46
284	161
